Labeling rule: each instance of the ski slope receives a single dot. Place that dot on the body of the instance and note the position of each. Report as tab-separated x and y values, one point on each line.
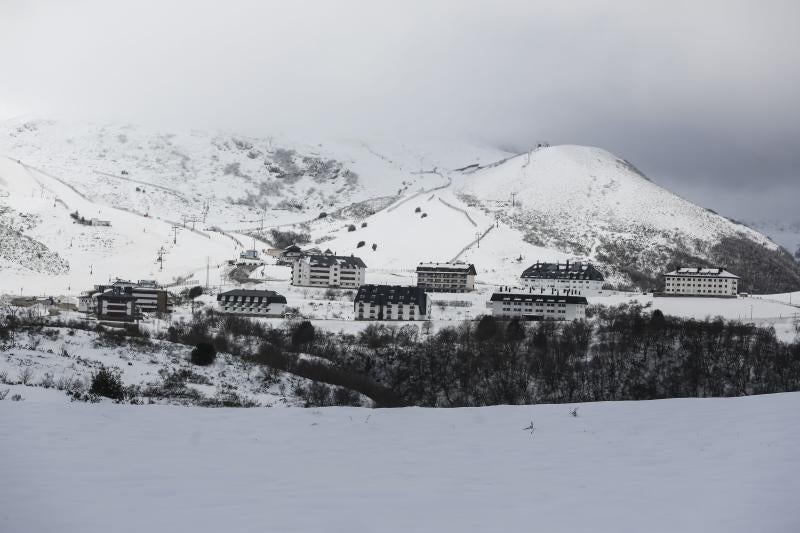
690	465
94	254
428	227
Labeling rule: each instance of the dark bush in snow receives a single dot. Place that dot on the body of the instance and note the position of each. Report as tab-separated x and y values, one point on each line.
487	328
282	239
360	244
302	333
107	383
203	354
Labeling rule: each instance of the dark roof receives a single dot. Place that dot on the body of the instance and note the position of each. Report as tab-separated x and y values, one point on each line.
113	293
534	297
719	272
392	294
271	296
568	270
462	268
347	261
292	248
126	288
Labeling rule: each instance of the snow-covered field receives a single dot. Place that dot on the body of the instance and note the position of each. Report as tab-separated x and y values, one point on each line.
688	465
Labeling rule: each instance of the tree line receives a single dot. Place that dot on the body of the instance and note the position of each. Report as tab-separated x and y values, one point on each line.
627	352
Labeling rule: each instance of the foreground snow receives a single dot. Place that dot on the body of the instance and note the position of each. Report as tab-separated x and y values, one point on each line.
676	465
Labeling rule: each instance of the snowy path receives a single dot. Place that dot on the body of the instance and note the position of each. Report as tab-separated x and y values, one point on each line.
420	193
471	244
689	465
167	190
462	211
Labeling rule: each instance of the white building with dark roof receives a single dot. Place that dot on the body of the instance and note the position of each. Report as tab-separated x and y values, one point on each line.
694	281
252	303
446	277
576	278
125	300
328	270
529	305
391	302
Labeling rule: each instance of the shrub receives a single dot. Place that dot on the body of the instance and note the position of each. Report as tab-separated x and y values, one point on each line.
195	291
418	210
108	383
203	354
487	328
16	398
351	227
221	343
317	395
303	333
4	393
360	244
342	396
424	215
363	224
47	381
26	376
374	246
331	294
323	215
69	384
515	330
282	239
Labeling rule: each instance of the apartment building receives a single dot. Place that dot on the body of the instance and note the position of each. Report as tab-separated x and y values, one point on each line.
446	277
328	270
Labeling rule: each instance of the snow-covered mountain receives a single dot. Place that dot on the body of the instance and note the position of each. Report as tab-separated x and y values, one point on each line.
591	203
393	204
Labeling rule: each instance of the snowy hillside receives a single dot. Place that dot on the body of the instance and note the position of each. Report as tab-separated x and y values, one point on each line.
690	465
44	250
591	203
168	174
393	204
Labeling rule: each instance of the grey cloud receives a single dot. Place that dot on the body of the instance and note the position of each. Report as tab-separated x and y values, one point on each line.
701	96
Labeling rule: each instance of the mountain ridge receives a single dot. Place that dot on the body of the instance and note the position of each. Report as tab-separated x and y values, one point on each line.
407	203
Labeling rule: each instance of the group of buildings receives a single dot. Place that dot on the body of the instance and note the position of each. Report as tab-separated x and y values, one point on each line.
555	291
546	291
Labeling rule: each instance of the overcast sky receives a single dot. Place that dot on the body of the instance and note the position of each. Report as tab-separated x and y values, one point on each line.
702	96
